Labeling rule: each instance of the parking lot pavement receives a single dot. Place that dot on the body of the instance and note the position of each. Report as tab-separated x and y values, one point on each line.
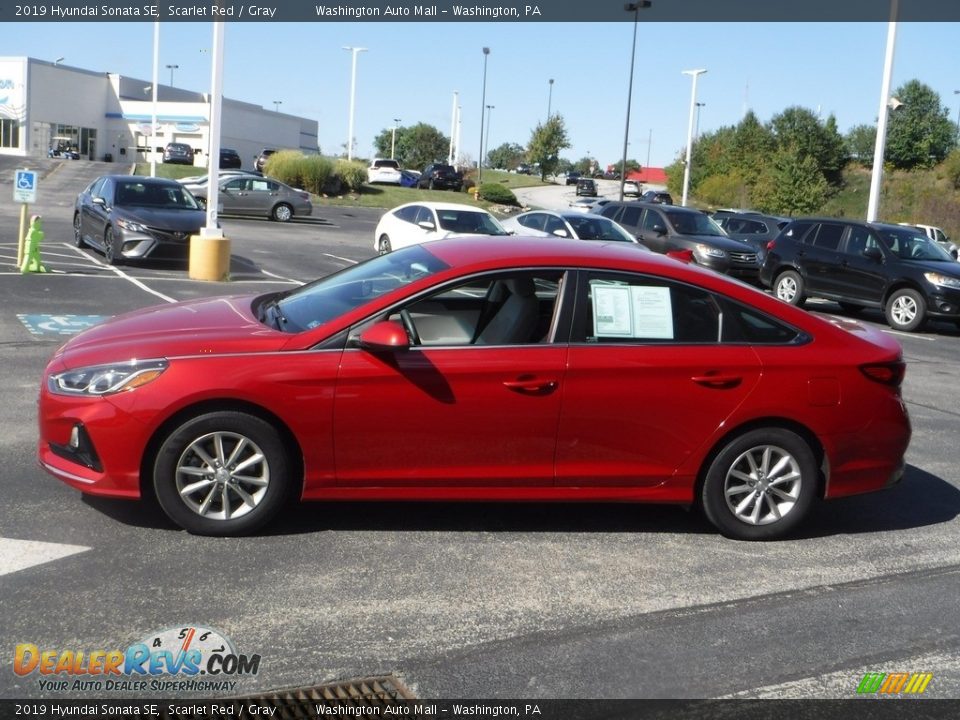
482	600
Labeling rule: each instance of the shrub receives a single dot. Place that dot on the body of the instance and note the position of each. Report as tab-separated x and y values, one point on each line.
353	174
497	193
285	166
952	168
315	172
469	184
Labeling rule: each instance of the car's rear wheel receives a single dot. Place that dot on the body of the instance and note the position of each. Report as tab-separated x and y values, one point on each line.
222	473
282	213
761	485
77	231
383	247
789	287
906	310
111	253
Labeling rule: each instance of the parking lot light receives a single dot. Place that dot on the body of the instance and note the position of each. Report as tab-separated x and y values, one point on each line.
693	106
635	9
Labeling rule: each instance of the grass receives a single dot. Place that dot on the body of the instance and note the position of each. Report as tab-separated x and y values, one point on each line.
378	196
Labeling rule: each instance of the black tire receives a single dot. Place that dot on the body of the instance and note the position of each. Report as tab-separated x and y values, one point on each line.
761	485
430	185
77	232
111	253
282	213
906	310
789	287
384	246
235	504
849	307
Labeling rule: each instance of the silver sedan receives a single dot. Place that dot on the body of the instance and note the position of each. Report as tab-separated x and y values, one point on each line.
259	196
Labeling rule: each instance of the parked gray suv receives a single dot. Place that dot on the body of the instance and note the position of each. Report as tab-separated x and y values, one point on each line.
666	228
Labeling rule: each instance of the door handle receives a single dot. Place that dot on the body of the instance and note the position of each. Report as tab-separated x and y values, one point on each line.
531	386
718	381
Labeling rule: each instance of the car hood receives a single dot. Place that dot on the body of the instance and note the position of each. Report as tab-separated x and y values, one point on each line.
198	327
718	241
176	220
943	267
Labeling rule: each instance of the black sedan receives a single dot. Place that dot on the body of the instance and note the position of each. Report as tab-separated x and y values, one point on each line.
129	217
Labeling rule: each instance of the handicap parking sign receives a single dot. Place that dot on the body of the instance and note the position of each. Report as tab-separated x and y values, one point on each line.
25	186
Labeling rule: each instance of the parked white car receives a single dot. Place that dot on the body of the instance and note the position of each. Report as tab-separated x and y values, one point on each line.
421	222
939	237
384	170
576	225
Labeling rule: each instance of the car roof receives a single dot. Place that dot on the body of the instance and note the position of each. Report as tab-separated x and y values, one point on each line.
144	179
442	206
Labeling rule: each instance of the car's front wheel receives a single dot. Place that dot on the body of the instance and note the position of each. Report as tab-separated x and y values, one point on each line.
789	287
282	213
760	485
77	231
906	310
222	473
111	253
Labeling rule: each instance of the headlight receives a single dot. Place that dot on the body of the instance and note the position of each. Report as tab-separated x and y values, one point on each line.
942	280
131	225
707	251
106	379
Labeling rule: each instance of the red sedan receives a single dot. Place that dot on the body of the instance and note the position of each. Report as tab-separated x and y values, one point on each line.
481	369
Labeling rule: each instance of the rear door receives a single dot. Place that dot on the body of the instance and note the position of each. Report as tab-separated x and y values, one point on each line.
822	257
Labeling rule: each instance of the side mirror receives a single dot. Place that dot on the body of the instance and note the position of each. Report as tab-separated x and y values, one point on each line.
659	229
427	225
99	201
384	335
560	232
873	253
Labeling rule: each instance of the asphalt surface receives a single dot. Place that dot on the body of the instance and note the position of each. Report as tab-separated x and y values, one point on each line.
460	600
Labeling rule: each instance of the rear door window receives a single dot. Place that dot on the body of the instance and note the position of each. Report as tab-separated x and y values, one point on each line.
827	236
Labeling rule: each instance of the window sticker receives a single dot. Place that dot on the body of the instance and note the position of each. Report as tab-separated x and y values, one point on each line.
631	311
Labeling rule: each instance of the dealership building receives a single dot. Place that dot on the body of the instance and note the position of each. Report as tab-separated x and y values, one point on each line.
105	116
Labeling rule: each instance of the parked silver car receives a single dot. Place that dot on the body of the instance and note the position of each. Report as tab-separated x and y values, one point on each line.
258	196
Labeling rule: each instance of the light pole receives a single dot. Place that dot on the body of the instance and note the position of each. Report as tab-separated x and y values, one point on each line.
696	133
635	9
550	99
489	115
393	139
876	174
693	102
171	68
957	92
353	96
483	99
276	105
59	60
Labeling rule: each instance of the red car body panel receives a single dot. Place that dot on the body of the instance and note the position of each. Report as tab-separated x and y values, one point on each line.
545	422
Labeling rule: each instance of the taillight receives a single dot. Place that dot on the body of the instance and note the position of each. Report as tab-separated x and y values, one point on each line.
770	245
889	373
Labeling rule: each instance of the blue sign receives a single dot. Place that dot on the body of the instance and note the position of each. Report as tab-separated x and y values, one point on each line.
25	186
59	324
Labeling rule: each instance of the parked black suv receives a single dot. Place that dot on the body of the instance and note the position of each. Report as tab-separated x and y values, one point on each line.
586	186
666	228
891	267
438	176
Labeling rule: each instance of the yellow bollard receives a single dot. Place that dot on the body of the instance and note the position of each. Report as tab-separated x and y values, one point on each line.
209	258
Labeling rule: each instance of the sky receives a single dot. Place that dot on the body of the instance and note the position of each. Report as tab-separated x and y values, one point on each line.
411	70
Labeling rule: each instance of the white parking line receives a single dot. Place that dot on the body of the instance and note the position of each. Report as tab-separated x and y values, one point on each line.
910	335
122	274
337	257
20	554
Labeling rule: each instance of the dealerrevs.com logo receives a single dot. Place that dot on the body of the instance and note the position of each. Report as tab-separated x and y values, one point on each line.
182	659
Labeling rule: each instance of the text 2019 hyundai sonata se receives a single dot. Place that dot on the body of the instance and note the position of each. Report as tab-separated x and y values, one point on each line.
481	369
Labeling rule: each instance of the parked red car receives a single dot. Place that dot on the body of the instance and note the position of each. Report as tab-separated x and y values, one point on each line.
481	369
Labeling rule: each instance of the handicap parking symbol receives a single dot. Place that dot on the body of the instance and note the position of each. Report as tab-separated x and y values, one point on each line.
25	186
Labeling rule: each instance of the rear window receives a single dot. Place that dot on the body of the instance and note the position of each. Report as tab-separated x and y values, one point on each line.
386	164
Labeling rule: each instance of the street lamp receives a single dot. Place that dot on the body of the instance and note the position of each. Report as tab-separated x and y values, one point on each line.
635	9
693	102
696	133
483	99
876	174
59	60
957	92
353	97
489	115
276	105
550	99
393	139
171	68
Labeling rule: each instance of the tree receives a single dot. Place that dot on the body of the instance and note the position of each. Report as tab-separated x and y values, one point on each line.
631	166
416	146
919	133
861	141
799	130
792	185
546	142
506	156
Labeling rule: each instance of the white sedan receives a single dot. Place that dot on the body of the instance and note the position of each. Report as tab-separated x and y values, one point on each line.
421	222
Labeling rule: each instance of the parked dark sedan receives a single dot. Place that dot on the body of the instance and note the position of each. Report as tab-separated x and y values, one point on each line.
438	176
667	228
891	267
178	154
230	159
129	217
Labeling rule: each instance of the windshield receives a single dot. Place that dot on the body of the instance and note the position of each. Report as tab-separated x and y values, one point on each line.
597	228
327	298
470	222
909	245
154	195
694	223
